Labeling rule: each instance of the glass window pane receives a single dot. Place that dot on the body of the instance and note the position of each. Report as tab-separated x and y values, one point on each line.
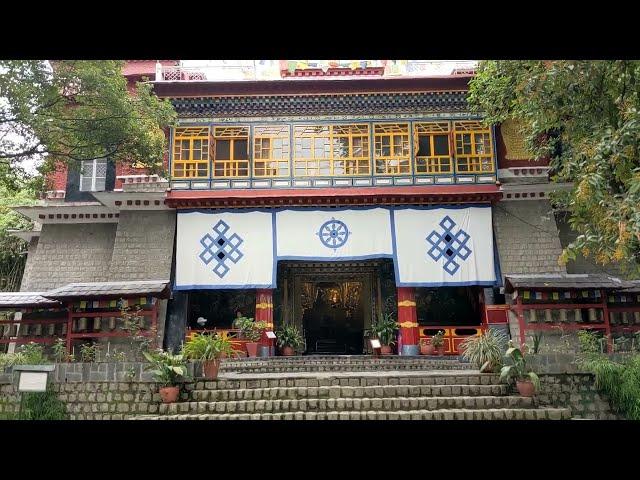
441	144
240	151
424	146
223	150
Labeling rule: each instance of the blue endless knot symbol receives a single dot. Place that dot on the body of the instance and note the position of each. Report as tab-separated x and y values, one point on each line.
333	233
449	245
221	248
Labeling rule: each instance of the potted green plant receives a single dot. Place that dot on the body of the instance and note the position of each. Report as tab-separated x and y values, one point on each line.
438	342
288	339
208	349
167	369
251	331
485	350
527	381
385	330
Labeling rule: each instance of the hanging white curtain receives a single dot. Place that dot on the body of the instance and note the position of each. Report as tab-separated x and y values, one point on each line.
443	246
333	234
224	250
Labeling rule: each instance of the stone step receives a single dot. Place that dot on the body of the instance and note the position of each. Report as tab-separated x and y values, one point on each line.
345	358
280	393
342	368
347	363
445	414
340	404
362	379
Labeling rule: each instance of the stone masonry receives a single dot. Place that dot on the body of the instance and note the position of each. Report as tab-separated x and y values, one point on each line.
143	246
68	253
523	248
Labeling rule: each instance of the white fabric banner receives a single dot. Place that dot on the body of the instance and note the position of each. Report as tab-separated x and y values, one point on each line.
443	246
334	234
224	250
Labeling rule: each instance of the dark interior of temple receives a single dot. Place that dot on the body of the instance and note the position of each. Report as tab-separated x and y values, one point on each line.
448	306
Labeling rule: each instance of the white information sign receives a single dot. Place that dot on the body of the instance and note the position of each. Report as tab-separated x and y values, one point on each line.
270	334
33	382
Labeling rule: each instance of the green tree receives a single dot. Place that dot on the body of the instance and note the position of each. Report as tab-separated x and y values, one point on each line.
585	117
72	110
12	249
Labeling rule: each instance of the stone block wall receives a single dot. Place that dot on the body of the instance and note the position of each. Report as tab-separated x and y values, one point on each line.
68	253
577	392
527	237
143	248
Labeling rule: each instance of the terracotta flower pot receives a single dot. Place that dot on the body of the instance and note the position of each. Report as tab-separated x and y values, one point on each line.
424	349
252	349
386	350
210	368
169	394
429	350
288	351
440	350
525	388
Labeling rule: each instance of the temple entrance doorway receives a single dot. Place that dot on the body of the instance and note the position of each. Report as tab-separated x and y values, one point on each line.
332	303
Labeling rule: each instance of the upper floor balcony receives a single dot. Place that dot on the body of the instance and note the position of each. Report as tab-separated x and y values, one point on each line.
362	153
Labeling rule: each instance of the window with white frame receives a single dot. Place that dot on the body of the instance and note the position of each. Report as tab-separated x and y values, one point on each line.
93	175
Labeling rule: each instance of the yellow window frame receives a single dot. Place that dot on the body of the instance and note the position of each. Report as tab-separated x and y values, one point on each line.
269	164
477	161
311	165
403	162
332	163
231	166
351	165
189	168
438	164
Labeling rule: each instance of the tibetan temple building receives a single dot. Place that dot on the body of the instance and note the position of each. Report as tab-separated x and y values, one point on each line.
324	198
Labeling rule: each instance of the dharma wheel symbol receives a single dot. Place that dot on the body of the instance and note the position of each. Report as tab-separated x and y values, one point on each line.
333	233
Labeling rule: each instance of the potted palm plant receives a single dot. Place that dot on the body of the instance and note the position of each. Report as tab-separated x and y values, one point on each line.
288	339
208	349
385	329
527	381
438	342
484	351
167	369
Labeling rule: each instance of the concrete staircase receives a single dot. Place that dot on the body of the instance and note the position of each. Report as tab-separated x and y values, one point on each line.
378	389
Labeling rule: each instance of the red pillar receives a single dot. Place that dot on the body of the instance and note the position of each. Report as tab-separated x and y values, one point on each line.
408	321
264	313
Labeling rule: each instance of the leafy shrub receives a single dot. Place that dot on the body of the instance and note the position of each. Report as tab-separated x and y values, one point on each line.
484	350
167	369
205	347
385	329
289	336
43	406
620	381
518	370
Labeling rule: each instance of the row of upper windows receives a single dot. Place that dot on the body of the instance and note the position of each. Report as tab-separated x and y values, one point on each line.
332	150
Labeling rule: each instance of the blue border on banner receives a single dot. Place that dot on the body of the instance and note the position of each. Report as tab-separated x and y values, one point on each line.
235	287
393	256
340	259
482	283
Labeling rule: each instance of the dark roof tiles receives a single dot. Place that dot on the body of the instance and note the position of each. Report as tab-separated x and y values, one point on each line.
157	288
25	299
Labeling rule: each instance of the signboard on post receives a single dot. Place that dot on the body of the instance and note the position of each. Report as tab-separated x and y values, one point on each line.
270	334
33	382
33	378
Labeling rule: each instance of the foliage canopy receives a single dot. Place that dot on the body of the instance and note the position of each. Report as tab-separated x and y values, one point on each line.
585	117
